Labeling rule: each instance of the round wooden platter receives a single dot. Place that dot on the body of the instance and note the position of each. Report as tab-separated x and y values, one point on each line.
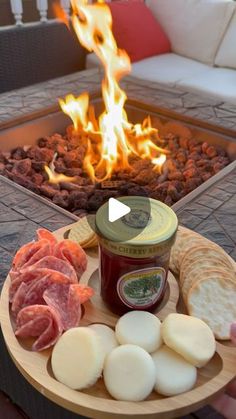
95	402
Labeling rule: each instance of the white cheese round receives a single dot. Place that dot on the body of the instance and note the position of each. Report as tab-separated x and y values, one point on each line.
139	328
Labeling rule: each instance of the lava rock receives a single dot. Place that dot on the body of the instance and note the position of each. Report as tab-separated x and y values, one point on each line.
18	153
192	184
38	166
175	175
37	178
40	154
48	190
211	151
78	200
61	198
22	167
95	201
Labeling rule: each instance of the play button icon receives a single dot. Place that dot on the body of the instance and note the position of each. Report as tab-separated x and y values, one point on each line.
124	218
116	210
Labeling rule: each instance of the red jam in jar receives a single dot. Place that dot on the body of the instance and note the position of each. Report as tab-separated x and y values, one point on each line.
134	254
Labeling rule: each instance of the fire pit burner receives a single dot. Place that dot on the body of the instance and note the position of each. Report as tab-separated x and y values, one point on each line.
194	156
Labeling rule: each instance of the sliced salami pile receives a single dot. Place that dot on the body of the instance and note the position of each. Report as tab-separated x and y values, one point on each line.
45	293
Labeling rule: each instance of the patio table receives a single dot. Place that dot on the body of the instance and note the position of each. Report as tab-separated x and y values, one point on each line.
212	213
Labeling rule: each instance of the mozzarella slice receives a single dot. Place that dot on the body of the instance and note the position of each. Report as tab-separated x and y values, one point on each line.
77	358
174	375
190	337
129	373
139	328
107	337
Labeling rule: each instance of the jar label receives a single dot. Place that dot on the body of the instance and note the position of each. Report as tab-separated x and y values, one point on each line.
142	288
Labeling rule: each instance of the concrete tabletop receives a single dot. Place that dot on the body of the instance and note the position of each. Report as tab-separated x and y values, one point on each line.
20	102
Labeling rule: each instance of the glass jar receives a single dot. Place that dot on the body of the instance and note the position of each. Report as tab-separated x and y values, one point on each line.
133	272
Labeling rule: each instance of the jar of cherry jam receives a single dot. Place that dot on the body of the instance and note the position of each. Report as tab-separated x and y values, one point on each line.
134	253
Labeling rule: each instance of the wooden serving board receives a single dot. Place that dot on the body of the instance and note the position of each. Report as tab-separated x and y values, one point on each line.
95	402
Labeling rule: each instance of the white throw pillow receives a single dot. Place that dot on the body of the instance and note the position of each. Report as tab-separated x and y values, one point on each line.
195	27
226	56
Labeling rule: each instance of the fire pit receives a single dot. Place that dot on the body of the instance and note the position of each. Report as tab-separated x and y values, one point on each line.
194	155
112	149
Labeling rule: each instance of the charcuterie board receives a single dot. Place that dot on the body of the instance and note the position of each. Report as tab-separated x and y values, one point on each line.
95	402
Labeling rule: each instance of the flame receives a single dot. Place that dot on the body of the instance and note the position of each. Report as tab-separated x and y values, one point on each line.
60	14
54	177
117	137
77	109
158	162
92	24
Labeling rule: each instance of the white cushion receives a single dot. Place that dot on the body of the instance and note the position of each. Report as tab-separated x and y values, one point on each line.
226	56
195	27
167	69
219	83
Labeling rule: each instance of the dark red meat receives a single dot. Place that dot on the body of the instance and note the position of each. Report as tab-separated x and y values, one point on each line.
29	276
31	292
66	301
83	292
73	253
30	254
55	264
42	233
39	321
19	296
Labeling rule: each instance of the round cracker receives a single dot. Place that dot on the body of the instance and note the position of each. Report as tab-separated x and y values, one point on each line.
175	251
92	243
201	271
81	232
213	300
204	252
184	239
210	261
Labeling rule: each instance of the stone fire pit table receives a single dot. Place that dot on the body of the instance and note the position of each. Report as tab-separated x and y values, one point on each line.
212	212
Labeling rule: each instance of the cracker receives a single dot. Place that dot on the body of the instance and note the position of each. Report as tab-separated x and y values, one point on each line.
183	239
81	232
186	240
191	243
213	300
92	243
205	252
203	270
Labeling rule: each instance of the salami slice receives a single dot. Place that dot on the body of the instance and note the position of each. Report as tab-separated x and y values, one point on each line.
52	263
29	276
56	264
17	301
42	233
72	252
83	292
45	250
23	254
39	321
23	278
32	292
35	292
66	301
30	253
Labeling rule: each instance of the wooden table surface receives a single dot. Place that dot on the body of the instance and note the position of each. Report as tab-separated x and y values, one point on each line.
20	215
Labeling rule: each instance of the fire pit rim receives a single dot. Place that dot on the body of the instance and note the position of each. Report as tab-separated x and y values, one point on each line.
228	135
131	102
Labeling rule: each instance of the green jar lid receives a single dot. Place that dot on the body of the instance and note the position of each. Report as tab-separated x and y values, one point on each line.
150	222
